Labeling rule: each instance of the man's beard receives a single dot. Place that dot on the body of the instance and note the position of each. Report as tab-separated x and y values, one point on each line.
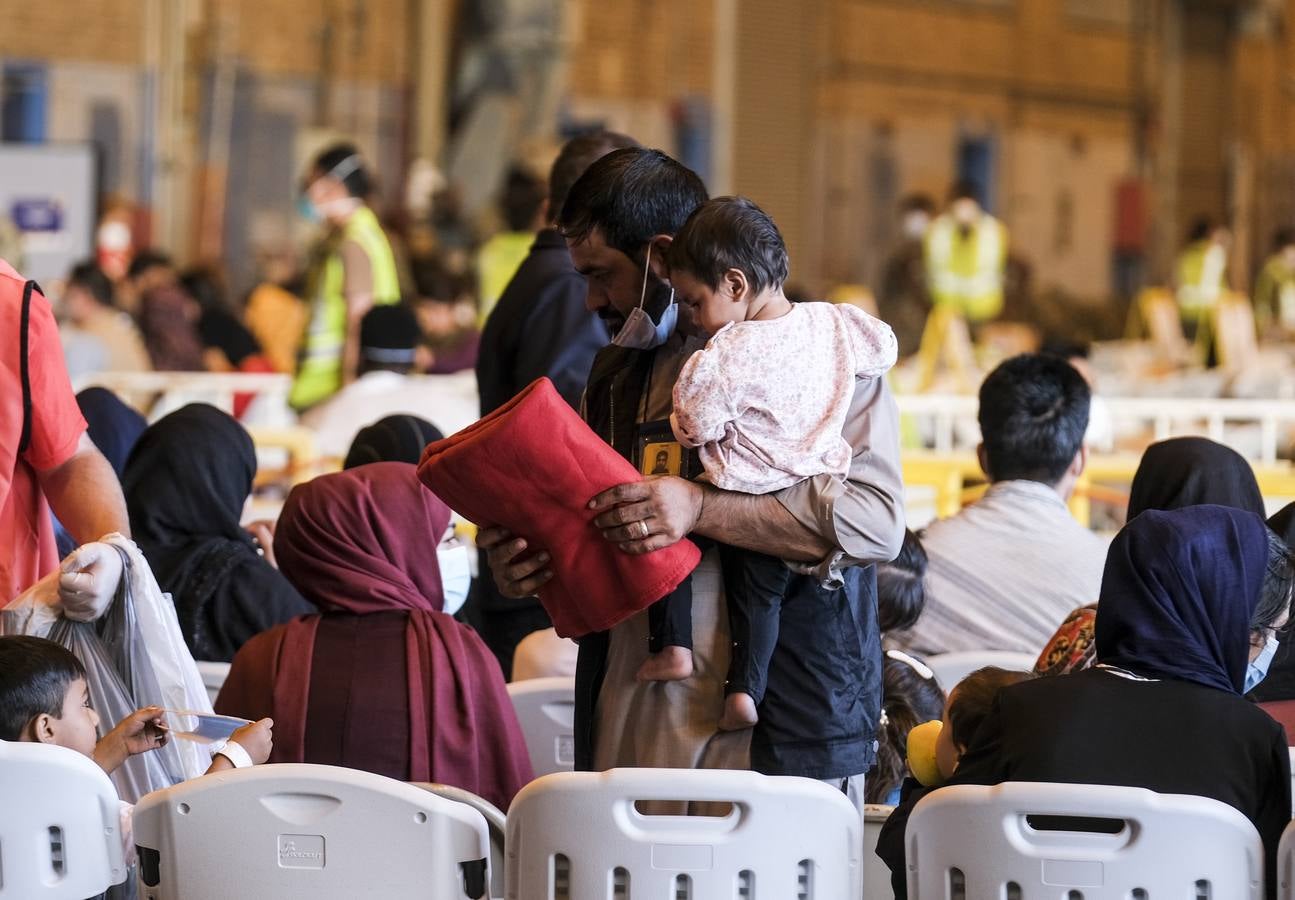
612	319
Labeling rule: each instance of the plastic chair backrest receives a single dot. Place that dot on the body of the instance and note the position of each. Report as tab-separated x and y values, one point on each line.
60	825
307	831
974	841
496	823
1286	862
950	668
876	875
546	709
582	836
213	676
1291	751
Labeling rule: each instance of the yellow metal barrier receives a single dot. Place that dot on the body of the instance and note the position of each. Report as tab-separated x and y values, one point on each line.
949	476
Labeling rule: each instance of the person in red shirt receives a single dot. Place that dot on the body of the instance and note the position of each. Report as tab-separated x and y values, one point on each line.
48	461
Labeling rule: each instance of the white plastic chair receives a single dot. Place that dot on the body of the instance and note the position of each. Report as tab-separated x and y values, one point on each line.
546	709
496	824
973	841
950	668
1291	750
307	831
213	676
876	875
1286	863
60	825
581	836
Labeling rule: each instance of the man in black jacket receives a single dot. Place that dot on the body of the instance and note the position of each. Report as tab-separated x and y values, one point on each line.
540	327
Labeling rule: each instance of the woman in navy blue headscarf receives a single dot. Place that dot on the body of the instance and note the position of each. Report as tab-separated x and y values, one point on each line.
114	428
1191	603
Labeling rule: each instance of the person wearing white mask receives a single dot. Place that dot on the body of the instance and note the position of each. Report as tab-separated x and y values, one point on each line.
354	270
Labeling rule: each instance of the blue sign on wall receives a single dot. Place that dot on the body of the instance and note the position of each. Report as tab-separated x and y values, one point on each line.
37	214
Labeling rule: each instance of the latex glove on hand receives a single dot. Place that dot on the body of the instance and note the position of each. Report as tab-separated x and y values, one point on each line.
88	580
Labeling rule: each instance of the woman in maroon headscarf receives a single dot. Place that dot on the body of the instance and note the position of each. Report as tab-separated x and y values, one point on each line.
381	680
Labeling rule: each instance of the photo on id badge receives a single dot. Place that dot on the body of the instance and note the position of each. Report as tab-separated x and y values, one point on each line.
661	458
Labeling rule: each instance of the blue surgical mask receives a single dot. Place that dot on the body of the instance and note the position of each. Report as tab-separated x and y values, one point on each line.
639	331
1257	671
456	576
308	210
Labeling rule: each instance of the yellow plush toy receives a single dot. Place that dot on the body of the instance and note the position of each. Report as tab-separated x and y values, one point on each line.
921	753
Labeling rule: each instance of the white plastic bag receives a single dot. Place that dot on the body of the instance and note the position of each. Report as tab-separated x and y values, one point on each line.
134	656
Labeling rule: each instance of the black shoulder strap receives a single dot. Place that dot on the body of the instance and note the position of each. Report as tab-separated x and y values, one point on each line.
24	365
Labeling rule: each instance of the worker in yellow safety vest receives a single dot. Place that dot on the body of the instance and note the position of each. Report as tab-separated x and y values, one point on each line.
1274	299
965	251
353	270
1201	276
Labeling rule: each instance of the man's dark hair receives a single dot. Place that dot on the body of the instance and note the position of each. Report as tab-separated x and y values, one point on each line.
1201	228
730	233
1283	238
522	198
1033	415
917	203
631	195
975	698
965	189
91	279
357	181
388	337
145	260
433	280
901	591
577	155
34	676
204	285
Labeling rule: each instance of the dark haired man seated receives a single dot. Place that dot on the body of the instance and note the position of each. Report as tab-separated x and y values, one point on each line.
1003	572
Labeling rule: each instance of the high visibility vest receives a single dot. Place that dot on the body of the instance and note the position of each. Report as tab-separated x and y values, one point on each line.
965	272
319	365
1274	299
1202	278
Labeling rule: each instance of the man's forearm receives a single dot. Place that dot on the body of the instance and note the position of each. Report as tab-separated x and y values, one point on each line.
86	497
758	522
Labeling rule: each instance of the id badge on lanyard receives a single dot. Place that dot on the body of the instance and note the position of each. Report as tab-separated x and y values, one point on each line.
656	452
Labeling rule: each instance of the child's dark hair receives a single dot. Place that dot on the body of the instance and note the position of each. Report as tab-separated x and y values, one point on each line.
34	675
730	233
973	698
910	696
901	594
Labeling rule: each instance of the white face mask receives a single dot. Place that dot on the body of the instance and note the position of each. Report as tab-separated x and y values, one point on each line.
915	224
456	577
339	206
639	331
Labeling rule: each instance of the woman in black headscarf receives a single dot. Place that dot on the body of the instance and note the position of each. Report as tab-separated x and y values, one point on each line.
186	483
399	438
1193	471
1173	474
1190	602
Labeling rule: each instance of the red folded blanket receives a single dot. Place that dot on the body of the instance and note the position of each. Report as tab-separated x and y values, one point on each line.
532	466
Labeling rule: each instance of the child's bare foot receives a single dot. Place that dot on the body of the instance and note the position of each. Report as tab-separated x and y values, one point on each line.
671	664
739	712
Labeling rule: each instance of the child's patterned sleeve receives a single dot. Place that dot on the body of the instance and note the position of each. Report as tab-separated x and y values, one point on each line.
702	406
